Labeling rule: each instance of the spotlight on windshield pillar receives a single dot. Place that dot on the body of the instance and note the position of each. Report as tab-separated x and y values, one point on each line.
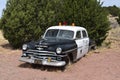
73	24
60	24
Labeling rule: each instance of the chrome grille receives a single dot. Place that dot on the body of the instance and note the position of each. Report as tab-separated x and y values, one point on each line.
41	54
37	52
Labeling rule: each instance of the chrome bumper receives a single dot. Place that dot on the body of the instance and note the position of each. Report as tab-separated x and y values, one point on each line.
43	62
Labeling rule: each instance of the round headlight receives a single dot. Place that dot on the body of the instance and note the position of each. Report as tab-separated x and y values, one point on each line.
24	47
59	50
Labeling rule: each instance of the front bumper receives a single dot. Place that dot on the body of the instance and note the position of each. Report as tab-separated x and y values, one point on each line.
43	62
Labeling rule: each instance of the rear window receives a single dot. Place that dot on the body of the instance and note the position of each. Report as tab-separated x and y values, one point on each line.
78	34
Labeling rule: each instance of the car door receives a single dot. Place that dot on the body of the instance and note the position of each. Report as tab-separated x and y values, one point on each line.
85	41
79	43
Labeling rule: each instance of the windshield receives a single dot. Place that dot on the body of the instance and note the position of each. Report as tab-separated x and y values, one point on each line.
56	33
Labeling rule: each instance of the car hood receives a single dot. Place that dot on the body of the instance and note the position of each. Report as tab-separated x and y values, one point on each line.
50	44
54	41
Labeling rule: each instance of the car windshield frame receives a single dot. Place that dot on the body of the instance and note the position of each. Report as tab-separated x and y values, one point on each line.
59	33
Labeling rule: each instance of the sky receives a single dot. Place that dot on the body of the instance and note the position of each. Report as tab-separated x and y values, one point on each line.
111	2
2	6
106	3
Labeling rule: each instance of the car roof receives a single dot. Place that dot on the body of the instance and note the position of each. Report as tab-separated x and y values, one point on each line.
71	28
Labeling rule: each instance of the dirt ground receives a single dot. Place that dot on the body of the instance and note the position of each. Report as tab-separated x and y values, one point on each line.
96	65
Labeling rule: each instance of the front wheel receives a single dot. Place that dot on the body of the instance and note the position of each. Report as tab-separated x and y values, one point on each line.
68	63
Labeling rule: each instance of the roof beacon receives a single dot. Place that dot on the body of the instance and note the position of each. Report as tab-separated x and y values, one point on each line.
60	24
73	24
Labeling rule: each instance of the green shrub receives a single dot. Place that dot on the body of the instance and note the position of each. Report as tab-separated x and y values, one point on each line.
87	13
26	20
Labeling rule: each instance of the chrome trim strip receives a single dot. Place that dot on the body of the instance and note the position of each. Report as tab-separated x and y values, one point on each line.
69	50
41	46
42	54
41	51
72	49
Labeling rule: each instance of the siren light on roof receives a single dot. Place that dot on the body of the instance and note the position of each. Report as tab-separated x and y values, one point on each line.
65	23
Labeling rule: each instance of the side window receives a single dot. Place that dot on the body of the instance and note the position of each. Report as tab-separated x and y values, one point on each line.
84	34
78	34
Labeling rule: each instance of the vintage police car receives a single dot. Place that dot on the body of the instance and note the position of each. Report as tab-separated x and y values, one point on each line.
59	46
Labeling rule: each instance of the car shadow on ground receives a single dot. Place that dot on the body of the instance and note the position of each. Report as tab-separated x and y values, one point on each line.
42	68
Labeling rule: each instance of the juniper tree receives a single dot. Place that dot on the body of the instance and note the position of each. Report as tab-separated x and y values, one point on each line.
87	13
24	20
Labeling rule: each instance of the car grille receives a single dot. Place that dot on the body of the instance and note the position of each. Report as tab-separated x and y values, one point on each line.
41	54
37	52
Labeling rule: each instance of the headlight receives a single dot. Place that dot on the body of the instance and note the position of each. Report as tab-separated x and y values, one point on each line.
24	47
58	50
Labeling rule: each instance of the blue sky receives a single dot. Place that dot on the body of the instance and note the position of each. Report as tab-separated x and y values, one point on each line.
2	5
111	2
106	3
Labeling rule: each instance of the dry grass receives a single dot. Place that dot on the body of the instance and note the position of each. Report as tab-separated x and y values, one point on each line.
4	44
2	39
113	39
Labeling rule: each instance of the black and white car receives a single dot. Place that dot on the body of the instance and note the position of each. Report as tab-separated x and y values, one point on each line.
58	46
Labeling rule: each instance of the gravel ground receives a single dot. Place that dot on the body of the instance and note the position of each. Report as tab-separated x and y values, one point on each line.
95	66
